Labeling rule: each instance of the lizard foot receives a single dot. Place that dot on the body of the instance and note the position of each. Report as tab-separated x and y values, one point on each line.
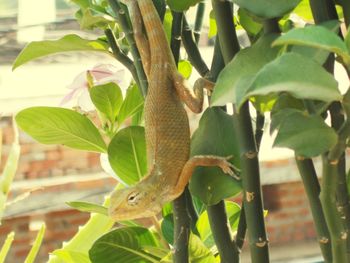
229	168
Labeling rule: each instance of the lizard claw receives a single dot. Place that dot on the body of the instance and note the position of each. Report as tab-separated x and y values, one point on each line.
229	168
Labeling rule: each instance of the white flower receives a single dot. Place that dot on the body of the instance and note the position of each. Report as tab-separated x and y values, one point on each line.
98	75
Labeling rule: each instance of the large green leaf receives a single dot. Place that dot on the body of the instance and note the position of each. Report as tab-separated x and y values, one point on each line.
182	5
132	104
90	18
38	49
248	23
268	8
316	37
127	154
51	125
71	256
294	74
203	227
245	65
108	99
214	136
124	245
307	135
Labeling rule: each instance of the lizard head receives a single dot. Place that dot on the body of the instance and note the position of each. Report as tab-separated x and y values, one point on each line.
134	202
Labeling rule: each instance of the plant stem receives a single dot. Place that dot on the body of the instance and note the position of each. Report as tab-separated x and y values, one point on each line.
199	20
176	29
182	220
253	206
346	11
312	188
129	35
241	229
328	200
120	56
192	50
220	228
219	223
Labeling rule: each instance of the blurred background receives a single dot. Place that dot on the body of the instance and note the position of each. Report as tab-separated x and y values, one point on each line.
48	176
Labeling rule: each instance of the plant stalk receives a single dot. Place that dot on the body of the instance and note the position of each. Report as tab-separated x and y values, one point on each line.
252	202
219	225
312	189
328	201
123	21
192	50
199	21
182	219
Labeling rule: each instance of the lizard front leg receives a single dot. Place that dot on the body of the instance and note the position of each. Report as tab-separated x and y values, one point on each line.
204	160
192	98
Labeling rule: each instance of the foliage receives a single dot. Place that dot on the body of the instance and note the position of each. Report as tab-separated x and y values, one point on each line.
281	75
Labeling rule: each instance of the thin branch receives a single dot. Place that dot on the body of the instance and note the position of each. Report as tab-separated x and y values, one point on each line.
192	50
123	21
199	20
119	55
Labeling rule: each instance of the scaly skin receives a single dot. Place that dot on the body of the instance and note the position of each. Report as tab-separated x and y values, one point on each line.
166	123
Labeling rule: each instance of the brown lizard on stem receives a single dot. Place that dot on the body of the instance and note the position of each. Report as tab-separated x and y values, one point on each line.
166	123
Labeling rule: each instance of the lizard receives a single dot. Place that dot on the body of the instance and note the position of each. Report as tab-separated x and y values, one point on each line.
167	131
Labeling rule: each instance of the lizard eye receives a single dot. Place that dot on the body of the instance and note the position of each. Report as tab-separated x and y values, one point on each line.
132	198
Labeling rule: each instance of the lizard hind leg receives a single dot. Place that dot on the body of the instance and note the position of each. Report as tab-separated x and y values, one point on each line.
204	160
192	98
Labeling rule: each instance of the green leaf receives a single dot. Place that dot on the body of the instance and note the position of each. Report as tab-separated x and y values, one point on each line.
268	8
203	227
6	246
185	68
167	24
294	74
307	135
198	252
245	65
127	154
316	37
108	99
132	104
90	18
124	245
248	22
212	25
167	228
69	256
88	207
38	49
182	5
303	10
214	136
83	240
51	125
36	245
9	172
